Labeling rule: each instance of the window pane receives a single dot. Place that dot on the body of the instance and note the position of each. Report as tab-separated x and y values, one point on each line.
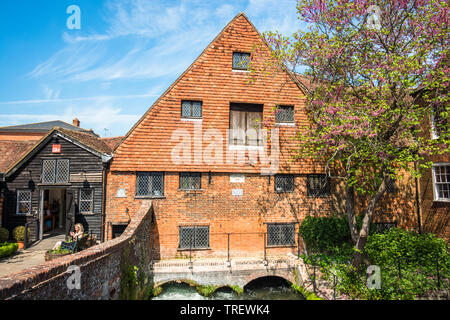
157	184
62	171
284	114
201	237
287	234
273	235
23	202
142	184
48	171
86	200
186	237
241	60
318	185
237	127
284	183
197	109
186	109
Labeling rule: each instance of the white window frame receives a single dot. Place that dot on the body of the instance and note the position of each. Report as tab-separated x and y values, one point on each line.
435	189
434	134
18	202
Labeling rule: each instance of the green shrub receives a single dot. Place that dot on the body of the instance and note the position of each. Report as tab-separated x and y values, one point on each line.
4	235
19	233
322	234
407	260
8	249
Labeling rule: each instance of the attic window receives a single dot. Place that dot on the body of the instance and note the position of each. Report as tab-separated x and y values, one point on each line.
191	109
241	60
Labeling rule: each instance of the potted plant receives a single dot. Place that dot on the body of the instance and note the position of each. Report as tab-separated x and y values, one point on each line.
19	235
53	254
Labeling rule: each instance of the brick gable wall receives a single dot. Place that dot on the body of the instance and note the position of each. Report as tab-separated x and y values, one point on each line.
211	80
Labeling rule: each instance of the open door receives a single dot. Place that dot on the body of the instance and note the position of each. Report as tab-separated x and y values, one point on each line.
70	211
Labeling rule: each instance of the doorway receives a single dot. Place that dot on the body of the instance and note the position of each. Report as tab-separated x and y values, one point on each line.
53	210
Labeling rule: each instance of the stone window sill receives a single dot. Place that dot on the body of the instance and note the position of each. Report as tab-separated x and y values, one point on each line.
149	197
194	249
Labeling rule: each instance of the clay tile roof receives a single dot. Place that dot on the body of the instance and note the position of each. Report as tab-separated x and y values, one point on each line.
12	151
112	142
87	139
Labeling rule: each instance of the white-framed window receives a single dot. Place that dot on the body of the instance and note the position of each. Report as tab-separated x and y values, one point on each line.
86	200
23	202
441	181
437	122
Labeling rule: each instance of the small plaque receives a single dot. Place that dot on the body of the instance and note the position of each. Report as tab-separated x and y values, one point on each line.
56	148
237	192
237	178
121	193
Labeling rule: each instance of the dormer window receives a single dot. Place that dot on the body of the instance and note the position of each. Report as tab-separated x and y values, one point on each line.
241	60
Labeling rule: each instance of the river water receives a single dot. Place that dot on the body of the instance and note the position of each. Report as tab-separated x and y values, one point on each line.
262	290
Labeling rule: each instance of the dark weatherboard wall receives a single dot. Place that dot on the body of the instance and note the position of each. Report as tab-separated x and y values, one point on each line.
86	171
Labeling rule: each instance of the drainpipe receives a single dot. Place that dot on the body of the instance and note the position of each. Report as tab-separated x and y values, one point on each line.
102	228
416	180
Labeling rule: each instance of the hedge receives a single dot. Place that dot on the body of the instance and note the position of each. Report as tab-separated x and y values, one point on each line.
7	249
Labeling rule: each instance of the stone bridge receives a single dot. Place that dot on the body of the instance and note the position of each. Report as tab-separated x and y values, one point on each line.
220	272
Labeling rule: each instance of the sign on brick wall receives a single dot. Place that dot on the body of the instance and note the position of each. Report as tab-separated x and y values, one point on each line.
237	178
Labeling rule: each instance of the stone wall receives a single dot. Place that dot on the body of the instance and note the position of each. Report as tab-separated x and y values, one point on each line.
104	268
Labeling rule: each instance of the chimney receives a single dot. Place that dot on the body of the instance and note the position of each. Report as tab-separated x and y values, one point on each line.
76	122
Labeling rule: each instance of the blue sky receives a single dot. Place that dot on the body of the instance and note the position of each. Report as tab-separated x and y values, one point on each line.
126	54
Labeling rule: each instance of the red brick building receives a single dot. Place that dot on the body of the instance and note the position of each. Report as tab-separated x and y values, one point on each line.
434	187
180	155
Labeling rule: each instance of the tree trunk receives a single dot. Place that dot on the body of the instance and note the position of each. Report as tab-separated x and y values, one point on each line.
350	210
365	228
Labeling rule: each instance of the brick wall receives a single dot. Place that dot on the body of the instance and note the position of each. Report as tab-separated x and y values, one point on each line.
101	267
245	217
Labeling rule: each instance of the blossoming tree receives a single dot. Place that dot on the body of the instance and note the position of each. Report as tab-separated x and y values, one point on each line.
376	70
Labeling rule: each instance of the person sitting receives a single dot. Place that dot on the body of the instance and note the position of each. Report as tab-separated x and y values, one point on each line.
78	234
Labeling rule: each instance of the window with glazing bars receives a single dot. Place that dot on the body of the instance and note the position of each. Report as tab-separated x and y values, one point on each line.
441	181
318	185
150	184
196	237
381	227
241	60
86	204
281	234
23	202
284	114
55	171
190	180
191	109
284	183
